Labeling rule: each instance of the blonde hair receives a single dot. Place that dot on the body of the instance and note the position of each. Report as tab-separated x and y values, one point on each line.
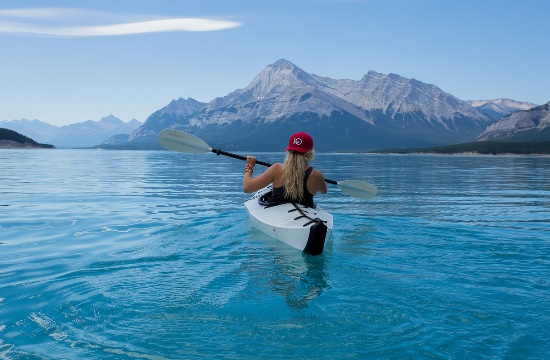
294	169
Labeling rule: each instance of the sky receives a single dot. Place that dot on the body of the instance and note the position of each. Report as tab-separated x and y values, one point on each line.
64	62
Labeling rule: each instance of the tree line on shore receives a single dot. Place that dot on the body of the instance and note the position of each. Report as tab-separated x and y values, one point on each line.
479	147
14	136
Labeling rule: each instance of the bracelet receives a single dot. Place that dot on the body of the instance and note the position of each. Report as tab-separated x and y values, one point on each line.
247	170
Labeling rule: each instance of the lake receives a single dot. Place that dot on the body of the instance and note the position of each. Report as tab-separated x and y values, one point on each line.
150	255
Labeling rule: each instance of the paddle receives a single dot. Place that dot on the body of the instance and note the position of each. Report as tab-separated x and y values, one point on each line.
183	142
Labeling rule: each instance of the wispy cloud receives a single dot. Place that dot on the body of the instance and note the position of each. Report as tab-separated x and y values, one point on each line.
64	22
40	13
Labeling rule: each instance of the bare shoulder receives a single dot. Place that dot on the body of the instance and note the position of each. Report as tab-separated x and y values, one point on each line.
319	180
317	175
276	168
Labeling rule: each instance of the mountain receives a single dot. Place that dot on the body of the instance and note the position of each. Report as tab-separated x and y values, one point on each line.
84	134
526	125
377	111
10	139
90	133
175	112
35	129
498	108
115	140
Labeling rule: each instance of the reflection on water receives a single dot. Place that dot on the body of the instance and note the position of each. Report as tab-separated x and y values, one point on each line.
299	278
311	284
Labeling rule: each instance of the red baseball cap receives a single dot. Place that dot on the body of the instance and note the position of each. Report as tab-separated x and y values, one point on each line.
300	142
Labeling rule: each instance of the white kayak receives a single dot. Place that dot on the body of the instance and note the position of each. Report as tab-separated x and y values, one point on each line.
303	228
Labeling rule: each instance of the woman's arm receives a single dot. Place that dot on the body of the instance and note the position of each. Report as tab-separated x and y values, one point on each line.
320	183
251	184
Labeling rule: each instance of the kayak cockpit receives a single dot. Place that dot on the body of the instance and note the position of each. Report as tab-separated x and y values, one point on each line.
304	228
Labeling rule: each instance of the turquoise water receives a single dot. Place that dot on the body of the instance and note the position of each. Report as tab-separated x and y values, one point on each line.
149	255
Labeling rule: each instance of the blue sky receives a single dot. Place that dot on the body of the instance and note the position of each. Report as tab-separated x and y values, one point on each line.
69	61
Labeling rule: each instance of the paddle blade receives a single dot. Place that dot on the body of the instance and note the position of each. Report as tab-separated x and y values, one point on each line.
183	142
356	188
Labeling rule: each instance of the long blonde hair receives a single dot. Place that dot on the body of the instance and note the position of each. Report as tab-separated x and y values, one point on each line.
294	168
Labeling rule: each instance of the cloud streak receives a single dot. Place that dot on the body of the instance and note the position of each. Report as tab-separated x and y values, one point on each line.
41	13
116	29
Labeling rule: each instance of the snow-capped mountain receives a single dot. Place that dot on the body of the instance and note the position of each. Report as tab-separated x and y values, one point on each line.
498	108
525	125
377	111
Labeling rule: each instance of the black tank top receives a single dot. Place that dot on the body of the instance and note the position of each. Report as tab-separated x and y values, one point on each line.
278	194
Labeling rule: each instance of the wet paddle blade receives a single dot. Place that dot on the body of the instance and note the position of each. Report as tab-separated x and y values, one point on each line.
183	142
356	188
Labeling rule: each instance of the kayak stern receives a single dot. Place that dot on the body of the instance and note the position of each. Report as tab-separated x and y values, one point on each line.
289	225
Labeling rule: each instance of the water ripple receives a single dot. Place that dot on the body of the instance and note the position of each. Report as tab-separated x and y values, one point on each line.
144	255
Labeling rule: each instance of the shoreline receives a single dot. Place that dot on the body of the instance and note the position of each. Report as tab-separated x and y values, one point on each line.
10	144
456	154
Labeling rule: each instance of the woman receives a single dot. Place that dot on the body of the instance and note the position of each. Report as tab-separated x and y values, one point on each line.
294	180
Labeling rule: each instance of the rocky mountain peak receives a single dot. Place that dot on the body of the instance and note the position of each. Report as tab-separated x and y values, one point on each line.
178	107
377	111
278	76
532	124
283	64
111	119
518	105
183	106
498	108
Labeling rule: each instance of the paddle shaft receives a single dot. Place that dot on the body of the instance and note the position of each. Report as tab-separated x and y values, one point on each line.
186	143
235	156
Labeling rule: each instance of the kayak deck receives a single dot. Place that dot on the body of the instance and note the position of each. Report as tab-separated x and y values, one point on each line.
283	221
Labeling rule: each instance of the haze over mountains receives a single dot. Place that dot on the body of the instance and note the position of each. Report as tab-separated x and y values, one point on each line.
376	112
78	135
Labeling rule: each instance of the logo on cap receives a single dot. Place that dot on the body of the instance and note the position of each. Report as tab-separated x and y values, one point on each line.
300	142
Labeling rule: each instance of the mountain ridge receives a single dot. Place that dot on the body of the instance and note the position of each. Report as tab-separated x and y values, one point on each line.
76	135
374	112
497	108
524	125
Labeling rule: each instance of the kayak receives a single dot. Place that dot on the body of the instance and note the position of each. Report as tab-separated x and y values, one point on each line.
303	228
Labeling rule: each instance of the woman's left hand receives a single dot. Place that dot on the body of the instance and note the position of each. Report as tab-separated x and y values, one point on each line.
251	160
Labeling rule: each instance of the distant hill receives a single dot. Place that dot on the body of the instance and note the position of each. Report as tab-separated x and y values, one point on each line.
528	125
378	111
10	139
78	135
498	108
115	140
